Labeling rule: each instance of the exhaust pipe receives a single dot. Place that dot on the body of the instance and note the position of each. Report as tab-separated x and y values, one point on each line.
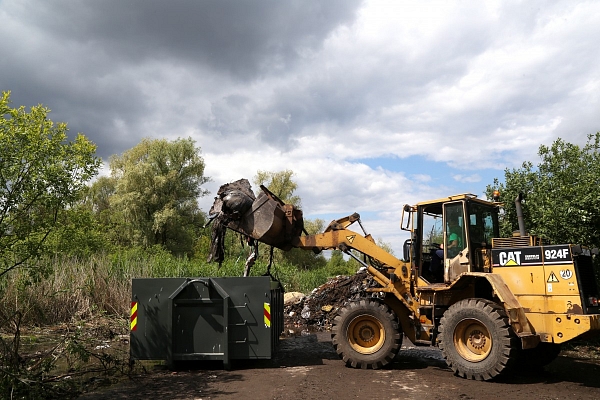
520	218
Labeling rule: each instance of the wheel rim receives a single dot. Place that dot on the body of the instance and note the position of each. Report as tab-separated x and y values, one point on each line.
366	334
472	340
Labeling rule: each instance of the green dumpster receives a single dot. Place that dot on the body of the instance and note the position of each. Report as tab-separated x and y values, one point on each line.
176	319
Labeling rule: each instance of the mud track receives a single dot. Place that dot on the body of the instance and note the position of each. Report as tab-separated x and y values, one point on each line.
307	367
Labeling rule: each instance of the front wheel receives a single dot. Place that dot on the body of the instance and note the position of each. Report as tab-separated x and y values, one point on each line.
477	340
365	334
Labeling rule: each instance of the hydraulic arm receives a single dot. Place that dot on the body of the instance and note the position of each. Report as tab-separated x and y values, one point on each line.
392	274
269	220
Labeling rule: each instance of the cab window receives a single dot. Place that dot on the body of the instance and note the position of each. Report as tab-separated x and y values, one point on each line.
455	229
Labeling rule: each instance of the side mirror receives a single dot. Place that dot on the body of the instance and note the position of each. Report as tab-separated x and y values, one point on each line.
408	211
406	249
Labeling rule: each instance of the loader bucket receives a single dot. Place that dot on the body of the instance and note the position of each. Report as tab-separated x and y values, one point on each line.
266	219
270	221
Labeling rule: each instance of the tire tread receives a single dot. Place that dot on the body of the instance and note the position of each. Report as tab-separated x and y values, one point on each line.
351	357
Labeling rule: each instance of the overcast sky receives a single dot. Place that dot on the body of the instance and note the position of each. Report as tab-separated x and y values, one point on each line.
373	104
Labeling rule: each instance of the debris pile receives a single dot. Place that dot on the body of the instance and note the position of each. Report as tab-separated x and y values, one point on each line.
317	310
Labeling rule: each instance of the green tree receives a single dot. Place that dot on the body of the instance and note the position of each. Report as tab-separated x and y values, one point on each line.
562	201
87	227
280	183
336	261
306	259
41	175
78	233
99	199
151	195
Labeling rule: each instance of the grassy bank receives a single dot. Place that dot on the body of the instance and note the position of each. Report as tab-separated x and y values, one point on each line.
79	289
61	332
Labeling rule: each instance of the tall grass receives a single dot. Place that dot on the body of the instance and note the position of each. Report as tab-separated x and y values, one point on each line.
101	284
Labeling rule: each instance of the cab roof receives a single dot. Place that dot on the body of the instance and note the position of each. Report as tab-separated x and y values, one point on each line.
456	197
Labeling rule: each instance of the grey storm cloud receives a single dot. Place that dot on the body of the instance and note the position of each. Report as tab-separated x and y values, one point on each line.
274	71
91	62
244	38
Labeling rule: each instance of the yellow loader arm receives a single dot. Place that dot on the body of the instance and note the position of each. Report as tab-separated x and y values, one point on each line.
392	274
269	220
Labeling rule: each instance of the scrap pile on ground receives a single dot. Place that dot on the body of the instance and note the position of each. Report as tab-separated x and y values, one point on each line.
317	310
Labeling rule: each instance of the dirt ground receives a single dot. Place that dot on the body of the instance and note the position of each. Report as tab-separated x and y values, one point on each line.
307	367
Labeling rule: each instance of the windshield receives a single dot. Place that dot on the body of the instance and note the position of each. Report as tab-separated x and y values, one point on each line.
483	223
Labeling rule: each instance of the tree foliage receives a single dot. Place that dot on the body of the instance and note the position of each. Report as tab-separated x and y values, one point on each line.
280	183
151	195
562	201
41	174
78	234
305	259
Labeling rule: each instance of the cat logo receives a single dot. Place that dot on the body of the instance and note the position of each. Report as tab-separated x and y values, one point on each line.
552	278
510	258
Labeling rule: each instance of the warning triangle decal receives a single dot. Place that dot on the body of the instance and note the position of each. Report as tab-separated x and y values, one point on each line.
350	238
552	278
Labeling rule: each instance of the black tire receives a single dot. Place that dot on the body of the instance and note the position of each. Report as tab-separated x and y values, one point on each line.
477	340
365	334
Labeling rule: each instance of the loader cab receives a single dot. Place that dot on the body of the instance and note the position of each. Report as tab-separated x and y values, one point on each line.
452	236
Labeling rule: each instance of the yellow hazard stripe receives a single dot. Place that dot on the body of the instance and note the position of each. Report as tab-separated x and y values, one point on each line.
133	316
267	315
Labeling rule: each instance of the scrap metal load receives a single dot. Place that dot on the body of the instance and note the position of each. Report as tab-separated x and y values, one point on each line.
265	218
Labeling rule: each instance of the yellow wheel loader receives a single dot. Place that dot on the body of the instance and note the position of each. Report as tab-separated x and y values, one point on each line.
490	304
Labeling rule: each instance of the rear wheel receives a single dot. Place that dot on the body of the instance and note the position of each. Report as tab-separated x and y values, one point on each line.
365	334
477	340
